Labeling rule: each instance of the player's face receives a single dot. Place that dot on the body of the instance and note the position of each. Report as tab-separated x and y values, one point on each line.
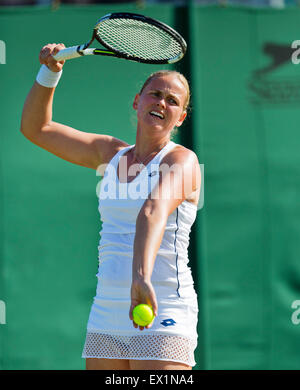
161	104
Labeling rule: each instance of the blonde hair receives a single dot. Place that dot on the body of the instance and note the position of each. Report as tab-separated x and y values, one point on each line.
179	75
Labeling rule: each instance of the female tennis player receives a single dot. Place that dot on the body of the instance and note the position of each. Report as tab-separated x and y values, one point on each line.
147	203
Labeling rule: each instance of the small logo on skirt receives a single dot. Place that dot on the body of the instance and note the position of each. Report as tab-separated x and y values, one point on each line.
168	322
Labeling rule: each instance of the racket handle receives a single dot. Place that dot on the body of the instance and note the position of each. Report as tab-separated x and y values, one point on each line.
67	54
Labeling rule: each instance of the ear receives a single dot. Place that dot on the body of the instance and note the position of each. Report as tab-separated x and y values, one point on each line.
181	119
136	101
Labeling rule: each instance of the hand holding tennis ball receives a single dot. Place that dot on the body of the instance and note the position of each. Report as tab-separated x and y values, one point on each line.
143	314
143	306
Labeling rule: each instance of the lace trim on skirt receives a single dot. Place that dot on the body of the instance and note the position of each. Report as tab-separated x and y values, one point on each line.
141	347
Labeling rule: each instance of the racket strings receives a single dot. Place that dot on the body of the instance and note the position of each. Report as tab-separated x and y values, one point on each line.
138	39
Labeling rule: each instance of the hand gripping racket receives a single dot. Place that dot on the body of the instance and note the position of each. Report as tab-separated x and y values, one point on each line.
133	37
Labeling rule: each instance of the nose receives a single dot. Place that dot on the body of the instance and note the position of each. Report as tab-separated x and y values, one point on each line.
161	102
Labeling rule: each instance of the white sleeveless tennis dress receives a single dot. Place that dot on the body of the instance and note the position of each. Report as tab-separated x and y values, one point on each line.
110	332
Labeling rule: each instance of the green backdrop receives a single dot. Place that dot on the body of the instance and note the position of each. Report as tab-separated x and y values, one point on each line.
244	129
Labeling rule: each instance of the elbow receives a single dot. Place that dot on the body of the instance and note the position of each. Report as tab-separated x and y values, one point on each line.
24	130
152	212
26	133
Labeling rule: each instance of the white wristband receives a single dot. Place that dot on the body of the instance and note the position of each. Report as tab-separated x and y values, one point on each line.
47	78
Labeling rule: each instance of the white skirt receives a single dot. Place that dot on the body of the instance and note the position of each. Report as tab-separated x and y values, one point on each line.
172	337
110	332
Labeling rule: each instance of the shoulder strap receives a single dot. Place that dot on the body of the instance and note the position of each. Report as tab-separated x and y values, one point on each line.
170	145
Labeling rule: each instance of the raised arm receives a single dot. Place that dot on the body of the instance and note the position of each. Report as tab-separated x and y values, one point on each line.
81	148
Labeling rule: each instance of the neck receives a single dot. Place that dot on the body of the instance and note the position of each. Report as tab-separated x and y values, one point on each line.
145	145
144	151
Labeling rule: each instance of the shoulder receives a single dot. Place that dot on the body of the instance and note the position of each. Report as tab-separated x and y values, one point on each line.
180	155
184	163
108	146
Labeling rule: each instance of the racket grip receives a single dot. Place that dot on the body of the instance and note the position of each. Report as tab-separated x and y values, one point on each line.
67	54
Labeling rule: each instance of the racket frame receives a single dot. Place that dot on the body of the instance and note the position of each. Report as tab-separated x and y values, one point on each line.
83	50
147	20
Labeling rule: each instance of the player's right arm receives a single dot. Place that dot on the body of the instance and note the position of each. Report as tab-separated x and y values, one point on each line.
81	148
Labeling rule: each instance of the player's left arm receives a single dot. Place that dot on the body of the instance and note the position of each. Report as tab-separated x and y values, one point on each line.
180	179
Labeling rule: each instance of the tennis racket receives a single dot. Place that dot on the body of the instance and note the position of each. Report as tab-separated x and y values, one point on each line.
133	37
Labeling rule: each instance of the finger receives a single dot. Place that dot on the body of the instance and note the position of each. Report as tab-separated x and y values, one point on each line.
155	309
46	52
130	314
132	306
46	56
135	325
57	48
153	304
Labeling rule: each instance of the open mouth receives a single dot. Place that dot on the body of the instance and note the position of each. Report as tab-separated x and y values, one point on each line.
157	114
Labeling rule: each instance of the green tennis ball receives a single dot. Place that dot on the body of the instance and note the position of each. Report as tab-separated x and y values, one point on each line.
143	314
